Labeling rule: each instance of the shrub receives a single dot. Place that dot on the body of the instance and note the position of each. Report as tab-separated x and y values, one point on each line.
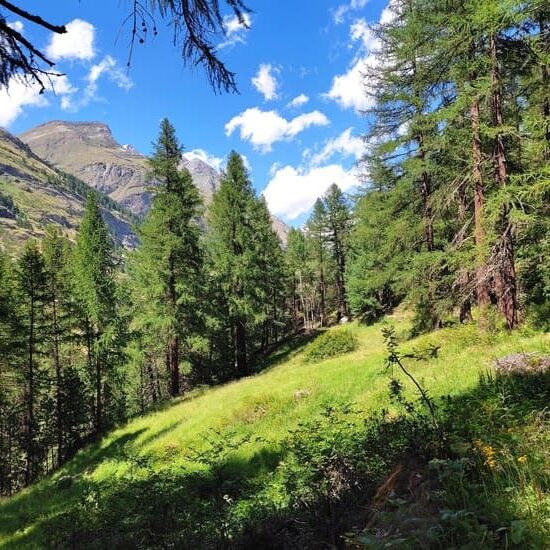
331	344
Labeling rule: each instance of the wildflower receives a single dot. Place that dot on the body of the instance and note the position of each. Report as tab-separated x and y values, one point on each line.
488	453
522	459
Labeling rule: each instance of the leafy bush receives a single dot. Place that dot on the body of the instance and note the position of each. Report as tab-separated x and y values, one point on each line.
331	344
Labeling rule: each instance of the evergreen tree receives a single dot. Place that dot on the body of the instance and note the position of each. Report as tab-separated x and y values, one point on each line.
56	258
234	257
169	263
338	226
94	287
33	295
316	228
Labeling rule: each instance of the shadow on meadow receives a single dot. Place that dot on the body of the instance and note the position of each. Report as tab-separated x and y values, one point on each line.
285	351
477	477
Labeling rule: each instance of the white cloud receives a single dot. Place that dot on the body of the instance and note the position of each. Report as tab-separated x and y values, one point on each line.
339	14
107	66
298	101
345	144
22	93
360	31
388	13
17	95
76	43
349	89
293	191
17	26
235	30
263	128
215	162
266	82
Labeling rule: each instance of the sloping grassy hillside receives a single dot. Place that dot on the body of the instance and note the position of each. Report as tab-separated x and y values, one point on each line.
40	195
251	417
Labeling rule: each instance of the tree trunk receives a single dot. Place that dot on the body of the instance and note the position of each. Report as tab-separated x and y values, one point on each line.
482	289
426	192
29	467
340	279
544	31
57	363
98	396
240	348
503	253
322	288
173	344
173	366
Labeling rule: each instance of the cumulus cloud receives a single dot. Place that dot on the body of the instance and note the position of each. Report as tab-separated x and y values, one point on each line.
345	144
263	128
292	191
340	13
266	82
108	67
17	95
348	89
235	30
76	43
361	32
21	93
298	101
215	162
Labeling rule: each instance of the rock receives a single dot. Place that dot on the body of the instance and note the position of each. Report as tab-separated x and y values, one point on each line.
300	394
522	363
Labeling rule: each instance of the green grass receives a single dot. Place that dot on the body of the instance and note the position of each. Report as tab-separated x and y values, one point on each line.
266	406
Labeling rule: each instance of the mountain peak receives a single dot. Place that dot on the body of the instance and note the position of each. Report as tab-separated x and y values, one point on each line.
91	132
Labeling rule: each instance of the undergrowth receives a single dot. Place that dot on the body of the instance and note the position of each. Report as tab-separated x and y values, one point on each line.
470	471
331	344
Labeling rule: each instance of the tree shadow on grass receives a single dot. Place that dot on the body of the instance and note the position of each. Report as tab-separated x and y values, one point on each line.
285	351
54	494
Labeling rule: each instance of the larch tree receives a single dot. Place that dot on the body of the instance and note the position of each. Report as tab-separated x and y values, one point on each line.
94	286
169	263
32	289
231	244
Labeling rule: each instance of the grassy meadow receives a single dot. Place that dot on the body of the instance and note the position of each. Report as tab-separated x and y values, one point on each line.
256	413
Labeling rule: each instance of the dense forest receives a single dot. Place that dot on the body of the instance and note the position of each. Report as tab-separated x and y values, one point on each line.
453	222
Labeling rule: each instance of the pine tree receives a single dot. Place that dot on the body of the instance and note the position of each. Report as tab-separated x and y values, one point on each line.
32	290
169	263
94	287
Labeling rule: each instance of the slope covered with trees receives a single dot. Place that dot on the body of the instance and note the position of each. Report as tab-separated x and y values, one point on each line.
457	214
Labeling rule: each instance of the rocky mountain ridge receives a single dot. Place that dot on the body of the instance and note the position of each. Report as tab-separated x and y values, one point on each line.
34	194
89	151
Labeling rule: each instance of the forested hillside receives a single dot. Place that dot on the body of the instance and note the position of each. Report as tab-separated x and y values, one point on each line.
379	377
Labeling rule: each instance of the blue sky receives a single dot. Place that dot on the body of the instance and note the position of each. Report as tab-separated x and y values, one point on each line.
296	120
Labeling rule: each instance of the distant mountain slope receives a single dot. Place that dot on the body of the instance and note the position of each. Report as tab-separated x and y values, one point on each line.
88	151
34	194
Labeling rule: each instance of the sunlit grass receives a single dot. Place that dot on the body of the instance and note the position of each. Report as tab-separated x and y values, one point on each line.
265	407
